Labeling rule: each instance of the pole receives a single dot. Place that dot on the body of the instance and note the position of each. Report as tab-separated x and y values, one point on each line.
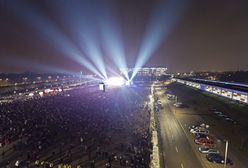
226	154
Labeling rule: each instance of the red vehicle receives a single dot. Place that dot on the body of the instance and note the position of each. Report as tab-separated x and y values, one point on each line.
205	141
199	136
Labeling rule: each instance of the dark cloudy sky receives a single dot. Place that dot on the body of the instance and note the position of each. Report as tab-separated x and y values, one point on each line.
208	35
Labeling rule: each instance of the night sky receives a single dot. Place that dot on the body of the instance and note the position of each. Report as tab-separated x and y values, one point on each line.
207	35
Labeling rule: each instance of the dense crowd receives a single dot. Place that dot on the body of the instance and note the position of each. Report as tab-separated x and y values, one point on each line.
77	128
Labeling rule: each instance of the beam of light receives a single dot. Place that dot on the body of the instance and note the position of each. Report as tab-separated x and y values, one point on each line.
112	71
92	78
49	32
111	36
95	55
89	77
24	63
27	64
79	20
163	19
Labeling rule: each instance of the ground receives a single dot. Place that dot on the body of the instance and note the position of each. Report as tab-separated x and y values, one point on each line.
178	145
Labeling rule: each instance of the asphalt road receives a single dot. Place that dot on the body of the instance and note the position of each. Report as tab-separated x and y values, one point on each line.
177	150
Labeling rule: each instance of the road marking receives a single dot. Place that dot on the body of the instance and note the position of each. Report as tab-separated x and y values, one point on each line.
182	127
176	149
182	165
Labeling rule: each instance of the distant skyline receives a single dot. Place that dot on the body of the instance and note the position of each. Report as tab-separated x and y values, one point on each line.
207	36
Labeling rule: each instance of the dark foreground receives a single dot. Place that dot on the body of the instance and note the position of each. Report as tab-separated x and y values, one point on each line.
80	128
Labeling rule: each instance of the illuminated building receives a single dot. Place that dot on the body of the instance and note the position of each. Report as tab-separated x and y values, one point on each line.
158	71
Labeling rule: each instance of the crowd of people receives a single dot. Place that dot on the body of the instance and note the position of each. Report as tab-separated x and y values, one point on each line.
78	128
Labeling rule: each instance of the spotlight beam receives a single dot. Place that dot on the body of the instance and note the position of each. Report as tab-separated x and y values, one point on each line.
49	32
77	15
163	19
112	71
111	36
24	63
92	51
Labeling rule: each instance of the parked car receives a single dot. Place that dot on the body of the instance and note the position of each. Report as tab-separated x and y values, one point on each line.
207	150
178	104
171	97
199	131
205	142
218	113
217	158
22	163
230	120
198	127
222	115
193	126
203	125
198	136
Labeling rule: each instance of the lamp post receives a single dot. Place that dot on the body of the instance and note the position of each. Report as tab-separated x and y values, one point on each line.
226	150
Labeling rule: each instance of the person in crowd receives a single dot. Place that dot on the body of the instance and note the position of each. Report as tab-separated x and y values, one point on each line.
58	130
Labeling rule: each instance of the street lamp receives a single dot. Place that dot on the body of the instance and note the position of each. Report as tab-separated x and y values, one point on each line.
226	150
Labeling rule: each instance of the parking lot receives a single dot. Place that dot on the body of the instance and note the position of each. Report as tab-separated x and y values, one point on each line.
200	109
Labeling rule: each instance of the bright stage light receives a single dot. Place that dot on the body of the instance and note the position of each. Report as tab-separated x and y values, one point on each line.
128	83
115	81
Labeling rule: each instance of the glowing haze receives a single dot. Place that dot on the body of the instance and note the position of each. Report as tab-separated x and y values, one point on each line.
101	37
